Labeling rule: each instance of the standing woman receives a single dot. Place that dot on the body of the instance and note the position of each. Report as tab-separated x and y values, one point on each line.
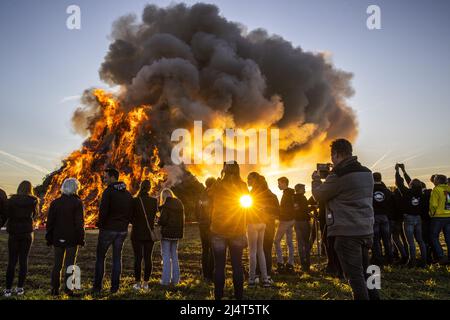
143	221
65	231
22	210
172	227
228	228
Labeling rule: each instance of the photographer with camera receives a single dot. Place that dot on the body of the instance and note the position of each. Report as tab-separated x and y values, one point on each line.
347	192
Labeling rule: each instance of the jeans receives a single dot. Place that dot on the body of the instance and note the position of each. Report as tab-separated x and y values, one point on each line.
236	247
398	238
285	227
106	238
18	250
353	254
207	253
381	232
412	225
143	250
303	233
171	268
63	256
269	235
438	225
255	234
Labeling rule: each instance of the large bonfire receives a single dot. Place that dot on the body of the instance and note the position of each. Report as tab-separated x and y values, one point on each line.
114	141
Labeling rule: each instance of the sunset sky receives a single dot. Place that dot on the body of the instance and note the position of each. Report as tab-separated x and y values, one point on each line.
401	75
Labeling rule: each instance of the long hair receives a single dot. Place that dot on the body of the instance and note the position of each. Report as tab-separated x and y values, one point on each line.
25	188
165	193
70	186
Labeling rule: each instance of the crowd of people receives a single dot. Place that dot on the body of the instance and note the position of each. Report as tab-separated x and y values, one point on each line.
355	218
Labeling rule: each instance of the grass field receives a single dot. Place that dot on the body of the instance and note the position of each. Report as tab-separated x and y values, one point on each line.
397	283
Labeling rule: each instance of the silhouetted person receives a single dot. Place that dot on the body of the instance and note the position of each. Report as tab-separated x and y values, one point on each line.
22	210
302	226
285	227
228	230
203	212
65	232
412	218
3	201
383	205
143	222
114	216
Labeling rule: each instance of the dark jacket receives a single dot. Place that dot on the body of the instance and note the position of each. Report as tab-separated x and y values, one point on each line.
265	208
383	201
172	219
65	222
203	209
412	198
348	193
398	206
3	201
140	230
287	211
301	207
20	214
116	208
228	218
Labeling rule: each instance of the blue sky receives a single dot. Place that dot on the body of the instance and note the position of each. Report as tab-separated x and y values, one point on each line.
401	74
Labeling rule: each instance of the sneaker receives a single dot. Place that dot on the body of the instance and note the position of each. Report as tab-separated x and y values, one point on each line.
137	286
257	280
7	293
145	286
270	280
267	284
251	283
280	268
289	268
19	291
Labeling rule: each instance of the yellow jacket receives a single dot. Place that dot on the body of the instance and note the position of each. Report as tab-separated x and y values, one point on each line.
440	202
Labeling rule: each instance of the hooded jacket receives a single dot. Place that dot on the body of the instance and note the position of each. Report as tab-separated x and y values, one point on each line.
287	210
383	201
22	210
348	193
65	222
140	230
172	219
440	202
115	208
412	198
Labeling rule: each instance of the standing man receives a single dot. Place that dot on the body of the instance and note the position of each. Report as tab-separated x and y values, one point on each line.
348	193
440	216
302	226
203	212
286	226
382	207
114	216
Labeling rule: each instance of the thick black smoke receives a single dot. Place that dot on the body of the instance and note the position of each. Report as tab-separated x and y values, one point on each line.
190	64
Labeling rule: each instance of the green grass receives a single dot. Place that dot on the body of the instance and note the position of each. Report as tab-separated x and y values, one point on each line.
397	283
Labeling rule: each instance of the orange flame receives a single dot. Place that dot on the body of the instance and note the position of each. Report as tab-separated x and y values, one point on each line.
113	141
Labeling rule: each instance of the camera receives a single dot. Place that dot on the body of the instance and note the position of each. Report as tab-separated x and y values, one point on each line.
400	166
324	169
